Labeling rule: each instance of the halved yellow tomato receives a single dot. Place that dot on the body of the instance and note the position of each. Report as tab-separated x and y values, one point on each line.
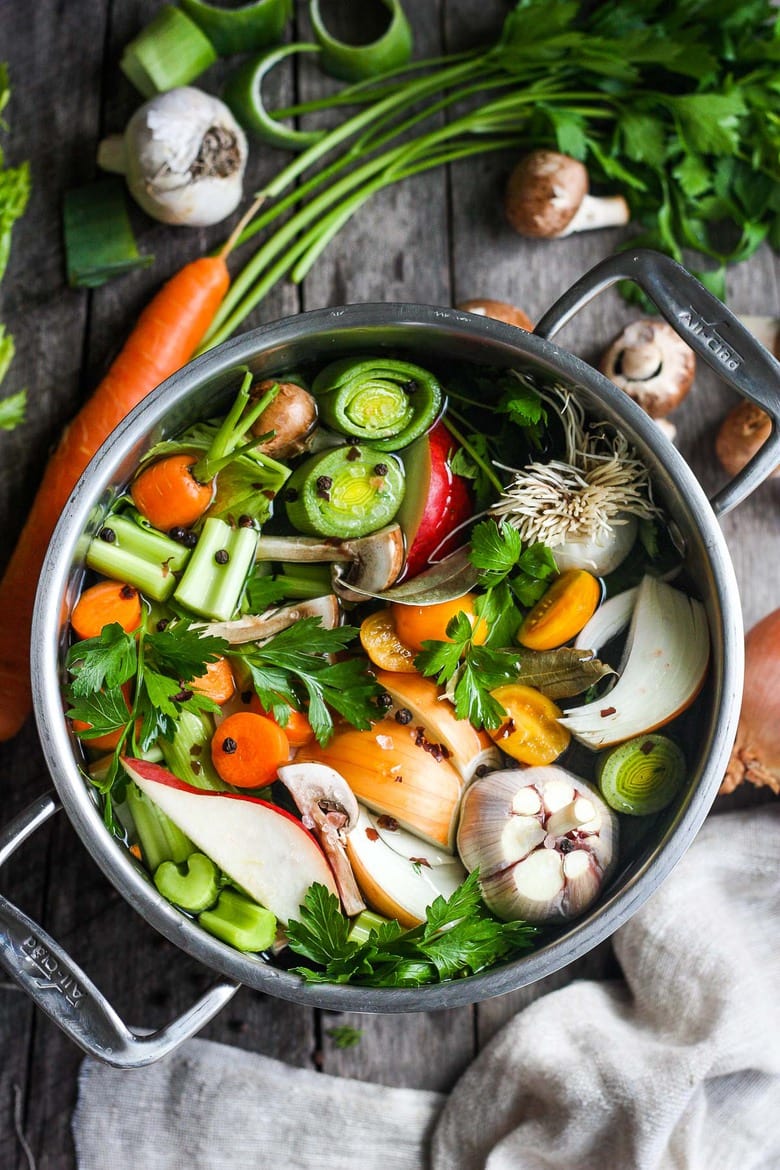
416	624
530	732
561	612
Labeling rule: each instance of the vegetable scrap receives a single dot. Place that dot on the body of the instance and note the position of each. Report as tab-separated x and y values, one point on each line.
279	668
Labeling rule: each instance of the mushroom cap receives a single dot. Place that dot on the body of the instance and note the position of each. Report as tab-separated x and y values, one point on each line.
652	363
499	311
742	433
544	193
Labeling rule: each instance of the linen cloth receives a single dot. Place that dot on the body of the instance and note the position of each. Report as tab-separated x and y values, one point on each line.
676	1068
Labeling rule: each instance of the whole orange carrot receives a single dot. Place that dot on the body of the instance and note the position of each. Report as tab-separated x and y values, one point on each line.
165	337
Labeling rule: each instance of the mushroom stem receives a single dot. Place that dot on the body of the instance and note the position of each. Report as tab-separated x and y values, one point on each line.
302	549
259	627
597	211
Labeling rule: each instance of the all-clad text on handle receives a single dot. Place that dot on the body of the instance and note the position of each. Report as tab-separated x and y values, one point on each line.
61	989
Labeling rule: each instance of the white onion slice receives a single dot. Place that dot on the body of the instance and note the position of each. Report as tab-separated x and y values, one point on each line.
667	651
609	620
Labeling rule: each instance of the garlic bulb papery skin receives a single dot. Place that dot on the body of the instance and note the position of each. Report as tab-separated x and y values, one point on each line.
184	158
543	839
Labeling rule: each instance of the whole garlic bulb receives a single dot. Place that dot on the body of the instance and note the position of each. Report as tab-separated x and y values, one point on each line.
183	155
543	839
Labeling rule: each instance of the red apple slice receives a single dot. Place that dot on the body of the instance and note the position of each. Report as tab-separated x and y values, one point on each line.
436	501
261	848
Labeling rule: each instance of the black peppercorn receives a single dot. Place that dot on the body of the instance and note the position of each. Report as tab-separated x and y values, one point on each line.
190	539
384	701
229	745
108	535
324	483
380	469
178	533
403	715
162	625
222	556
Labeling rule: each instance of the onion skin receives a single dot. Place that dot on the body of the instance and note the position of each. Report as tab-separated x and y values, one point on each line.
756	754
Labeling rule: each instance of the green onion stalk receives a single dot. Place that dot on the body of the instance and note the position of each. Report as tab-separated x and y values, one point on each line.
675	108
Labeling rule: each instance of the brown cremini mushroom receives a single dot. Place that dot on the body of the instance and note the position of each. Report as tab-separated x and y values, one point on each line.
499	311
292	416
652	364
547	197
742	433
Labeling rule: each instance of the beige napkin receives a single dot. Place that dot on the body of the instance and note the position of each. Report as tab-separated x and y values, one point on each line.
678	1068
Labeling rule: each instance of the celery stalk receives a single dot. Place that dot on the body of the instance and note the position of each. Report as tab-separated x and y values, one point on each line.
140	557
217	571
160	839
188	754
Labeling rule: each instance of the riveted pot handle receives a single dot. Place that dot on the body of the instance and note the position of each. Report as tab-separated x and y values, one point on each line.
61	989
709	328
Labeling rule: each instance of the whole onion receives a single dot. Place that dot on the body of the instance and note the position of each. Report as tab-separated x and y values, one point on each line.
756	753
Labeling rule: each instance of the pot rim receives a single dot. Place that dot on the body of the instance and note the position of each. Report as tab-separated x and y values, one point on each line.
81	805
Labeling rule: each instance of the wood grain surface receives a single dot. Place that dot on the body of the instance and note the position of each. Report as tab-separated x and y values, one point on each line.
438	239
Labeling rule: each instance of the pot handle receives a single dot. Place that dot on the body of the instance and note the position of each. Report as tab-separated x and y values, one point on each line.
709	328
61	989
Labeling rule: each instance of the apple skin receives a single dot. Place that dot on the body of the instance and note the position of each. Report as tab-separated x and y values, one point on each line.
262	848
436	500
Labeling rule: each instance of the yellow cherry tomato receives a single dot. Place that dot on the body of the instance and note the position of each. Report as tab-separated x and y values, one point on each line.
381	643
530	732
416	624
561	612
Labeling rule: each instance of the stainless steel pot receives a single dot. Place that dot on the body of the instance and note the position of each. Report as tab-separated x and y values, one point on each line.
38	963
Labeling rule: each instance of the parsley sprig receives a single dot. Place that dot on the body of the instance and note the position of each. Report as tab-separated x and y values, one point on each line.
512	577
459	937
295	666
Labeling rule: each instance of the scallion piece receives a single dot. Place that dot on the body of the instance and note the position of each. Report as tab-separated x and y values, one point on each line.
641	776
240	30
172	50
99	242
142	557
244	95
360	62
214	579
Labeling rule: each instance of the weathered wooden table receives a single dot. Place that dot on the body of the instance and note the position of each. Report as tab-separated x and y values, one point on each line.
437	239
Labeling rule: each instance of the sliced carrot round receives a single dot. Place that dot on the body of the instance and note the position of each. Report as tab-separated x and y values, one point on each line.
381	643
297	729
563	610
217	683
168	495
530	732
102	605
416	624
247	749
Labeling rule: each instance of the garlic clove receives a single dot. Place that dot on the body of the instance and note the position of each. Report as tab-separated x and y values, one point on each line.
572	816
582	882
530	890
526	801
184	158
557	793
520	836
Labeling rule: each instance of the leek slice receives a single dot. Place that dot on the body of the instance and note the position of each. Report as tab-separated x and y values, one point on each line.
244	95
240	30
171	51
359	62
388	403
99	242
642	776
665	661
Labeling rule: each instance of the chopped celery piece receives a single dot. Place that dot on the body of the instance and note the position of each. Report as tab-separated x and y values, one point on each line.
139	556
192	884
239	921
160	839
214	579
188	754
362	926
99	242
169	52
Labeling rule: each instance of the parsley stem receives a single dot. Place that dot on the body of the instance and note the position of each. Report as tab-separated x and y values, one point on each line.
467	446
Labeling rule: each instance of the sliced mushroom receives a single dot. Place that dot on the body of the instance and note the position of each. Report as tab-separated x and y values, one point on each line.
258	627
547	197
652	363
370	563
328	809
